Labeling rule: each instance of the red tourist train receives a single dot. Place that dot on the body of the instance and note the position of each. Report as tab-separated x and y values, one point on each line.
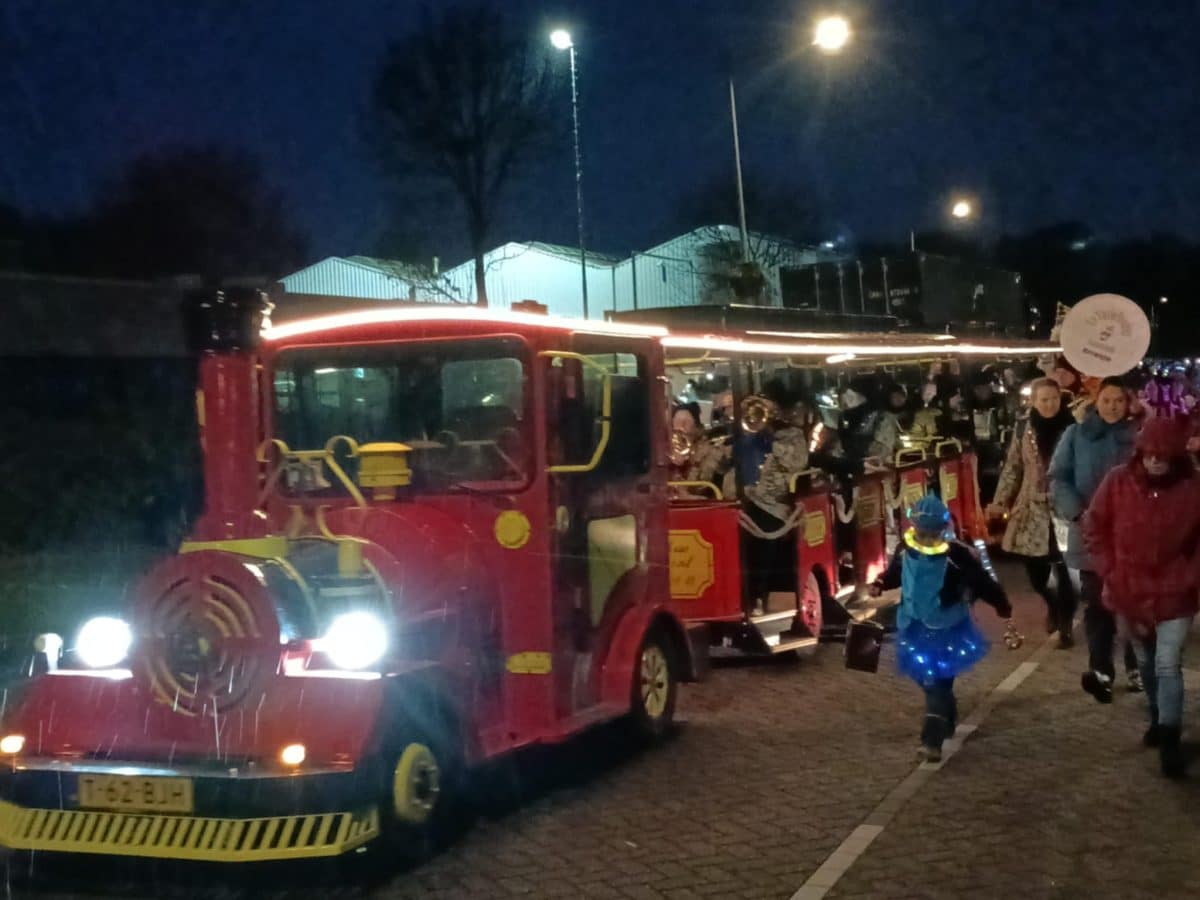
432	536
867	510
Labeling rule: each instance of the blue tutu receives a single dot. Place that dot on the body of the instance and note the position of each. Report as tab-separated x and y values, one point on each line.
927	654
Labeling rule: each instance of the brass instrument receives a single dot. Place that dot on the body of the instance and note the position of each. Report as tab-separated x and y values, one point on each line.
757	412
681	447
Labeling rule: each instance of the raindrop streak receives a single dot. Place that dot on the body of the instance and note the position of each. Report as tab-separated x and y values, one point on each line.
216	727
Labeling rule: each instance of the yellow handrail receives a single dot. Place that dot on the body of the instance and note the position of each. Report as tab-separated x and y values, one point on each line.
937	450
605	411
337	470
325	455
919	451
793	480
705	485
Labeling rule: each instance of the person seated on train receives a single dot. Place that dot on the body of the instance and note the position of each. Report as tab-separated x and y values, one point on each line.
694	457
770	506
722	408
987	412
899	406
865	429
927	421
751	446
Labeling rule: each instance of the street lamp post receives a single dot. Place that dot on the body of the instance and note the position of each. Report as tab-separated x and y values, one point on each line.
830	35
961	211
561	39
1154	342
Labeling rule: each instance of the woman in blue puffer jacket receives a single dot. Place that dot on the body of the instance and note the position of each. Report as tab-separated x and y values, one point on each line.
1085	454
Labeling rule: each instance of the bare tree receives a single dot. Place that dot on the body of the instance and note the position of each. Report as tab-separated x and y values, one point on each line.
465	99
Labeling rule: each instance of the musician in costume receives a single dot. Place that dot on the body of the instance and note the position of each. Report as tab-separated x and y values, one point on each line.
937	638
770	507
694	456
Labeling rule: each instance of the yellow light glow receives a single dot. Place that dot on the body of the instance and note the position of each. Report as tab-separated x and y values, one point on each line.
292	754
831	33
839	358
12	744
399	315
561	39
961	209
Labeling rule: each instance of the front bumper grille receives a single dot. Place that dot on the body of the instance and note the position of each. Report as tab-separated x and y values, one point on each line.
186	837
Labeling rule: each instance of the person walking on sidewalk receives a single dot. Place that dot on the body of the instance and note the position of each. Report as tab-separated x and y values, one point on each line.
1022	495
937	640
1085	454
1143	534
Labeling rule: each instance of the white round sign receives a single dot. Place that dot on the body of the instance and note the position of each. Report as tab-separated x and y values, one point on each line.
1105	334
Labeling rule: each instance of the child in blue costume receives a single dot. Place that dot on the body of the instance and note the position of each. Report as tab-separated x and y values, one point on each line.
937	639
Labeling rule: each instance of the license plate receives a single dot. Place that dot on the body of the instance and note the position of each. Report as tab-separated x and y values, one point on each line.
135	793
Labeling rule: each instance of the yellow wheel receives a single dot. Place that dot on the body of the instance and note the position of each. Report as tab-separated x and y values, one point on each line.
655	684
416	785
655	681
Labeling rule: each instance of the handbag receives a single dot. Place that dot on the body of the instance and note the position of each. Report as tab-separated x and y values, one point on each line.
864	641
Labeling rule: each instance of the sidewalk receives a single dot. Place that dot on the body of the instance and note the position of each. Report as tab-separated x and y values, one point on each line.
1053	796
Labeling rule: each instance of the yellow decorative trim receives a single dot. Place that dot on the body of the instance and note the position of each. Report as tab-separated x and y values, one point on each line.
186	837
910	493
530	662
512	529
272	547
691	564
815	528
949	485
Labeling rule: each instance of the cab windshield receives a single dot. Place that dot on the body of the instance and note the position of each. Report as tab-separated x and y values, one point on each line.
460	405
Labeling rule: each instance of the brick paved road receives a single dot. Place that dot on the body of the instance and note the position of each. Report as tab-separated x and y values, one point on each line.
776	763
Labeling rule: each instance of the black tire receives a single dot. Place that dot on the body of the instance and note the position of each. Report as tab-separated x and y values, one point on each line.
420	804
655	688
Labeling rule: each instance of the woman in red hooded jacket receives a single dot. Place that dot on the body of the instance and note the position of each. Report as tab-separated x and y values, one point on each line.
1143	531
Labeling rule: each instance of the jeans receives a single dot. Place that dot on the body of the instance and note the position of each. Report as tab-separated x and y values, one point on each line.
1101	628
1160	657
941	712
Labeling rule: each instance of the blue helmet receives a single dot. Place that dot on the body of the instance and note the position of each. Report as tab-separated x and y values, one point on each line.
929	514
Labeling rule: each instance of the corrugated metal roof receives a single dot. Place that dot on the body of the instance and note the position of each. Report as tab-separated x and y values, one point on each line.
572	253
369	278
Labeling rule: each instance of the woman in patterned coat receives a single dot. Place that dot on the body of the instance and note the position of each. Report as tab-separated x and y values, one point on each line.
1023	496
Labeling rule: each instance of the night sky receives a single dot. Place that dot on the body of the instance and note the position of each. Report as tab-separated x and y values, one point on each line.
1046	111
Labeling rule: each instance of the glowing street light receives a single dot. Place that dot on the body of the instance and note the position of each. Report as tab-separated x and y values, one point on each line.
831	33
560	38
962	209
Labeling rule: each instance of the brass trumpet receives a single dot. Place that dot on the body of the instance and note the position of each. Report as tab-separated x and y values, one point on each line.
757	412
681	447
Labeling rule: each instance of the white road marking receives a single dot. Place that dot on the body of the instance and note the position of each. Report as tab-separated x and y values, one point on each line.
839	862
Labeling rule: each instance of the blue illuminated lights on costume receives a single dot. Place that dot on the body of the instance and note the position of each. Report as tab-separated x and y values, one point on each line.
934	641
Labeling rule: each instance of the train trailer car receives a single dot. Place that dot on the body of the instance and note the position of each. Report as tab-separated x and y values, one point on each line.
432	536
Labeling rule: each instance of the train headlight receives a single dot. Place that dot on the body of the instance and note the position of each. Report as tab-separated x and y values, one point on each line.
356	640
103	642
